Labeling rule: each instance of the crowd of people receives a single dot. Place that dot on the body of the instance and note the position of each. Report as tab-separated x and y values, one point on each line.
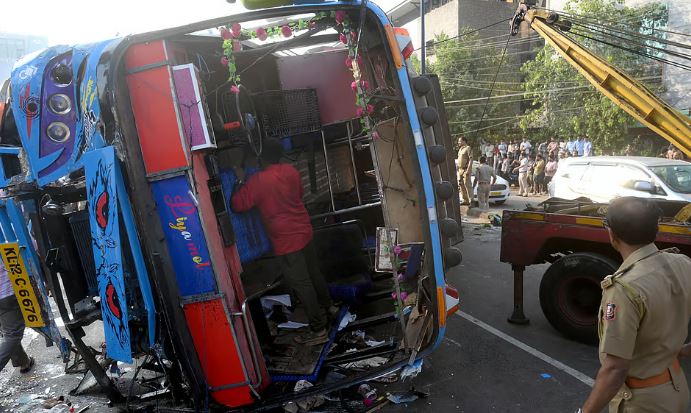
530	167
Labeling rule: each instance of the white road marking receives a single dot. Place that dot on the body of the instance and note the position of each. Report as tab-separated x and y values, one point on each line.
454	342
584	378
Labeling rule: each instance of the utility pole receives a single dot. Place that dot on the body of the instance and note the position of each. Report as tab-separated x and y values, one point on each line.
422	37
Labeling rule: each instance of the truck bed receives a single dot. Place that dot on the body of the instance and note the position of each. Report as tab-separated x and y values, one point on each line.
557	226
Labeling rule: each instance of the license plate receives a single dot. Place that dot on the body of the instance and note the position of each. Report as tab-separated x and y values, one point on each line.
21	284
495	193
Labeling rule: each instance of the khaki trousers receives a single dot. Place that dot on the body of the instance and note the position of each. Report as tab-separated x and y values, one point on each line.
466	188
671	397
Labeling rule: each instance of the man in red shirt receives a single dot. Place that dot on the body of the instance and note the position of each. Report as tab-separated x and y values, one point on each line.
277	192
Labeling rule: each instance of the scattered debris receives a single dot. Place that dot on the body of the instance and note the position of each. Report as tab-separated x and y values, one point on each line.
347	319
494	219
366	363
402	396
292	325
52	402
306	404
411	370
368	393
545	376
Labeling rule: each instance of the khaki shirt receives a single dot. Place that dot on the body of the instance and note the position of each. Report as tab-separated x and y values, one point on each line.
645	310
484	173
465	156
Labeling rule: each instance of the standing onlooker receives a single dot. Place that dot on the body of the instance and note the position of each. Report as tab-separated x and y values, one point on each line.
550	170
489	153
678	154
465	165
628	151
562	145
484	179
587	147
570	146
526	146
552	147
531	171
505	167
579	146
503	148
523	175
11	327
539	175
542	148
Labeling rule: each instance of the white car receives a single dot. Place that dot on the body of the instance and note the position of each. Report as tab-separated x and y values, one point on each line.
602	178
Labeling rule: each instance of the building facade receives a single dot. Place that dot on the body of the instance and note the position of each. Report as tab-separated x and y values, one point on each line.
14	46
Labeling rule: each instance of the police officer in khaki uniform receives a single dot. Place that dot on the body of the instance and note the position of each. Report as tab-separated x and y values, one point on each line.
465	167
643	320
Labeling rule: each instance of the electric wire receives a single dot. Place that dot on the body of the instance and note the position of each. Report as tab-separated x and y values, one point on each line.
659	59
484	109
466	33
614	22
631	33
634	43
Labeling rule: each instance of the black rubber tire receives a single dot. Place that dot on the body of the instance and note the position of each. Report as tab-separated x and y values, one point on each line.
570	294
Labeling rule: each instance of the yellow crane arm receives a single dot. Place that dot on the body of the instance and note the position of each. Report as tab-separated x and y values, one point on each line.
622	89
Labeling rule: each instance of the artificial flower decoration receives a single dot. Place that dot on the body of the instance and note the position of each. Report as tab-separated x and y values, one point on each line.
236	30
234	90
225	33
348	35
261	34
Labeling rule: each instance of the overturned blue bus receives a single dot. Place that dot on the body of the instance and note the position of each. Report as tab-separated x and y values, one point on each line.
119	162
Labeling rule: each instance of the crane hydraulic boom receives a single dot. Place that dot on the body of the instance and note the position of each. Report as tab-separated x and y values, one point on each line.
617	85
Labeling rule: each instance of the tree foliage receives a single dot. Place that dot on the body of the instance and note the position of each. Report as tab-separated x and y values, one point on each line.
565	105
465	67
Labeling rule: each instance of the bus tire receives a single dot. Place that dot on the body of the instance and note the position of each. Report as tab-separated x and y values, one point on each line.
570	294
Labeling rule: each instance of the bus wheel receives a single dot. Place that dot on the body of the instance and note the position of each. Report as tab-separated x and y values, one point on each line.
570	294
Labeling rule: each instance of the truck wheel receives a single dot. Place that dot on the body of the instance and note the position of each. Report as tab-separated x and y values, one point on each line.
570	294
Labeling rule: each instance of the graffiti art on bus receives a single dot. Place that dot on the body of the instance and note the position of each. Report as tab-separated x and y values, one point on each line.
105	234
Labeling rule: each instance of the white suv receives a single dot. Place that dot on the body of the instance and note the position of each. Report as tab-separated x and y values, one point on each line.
602	178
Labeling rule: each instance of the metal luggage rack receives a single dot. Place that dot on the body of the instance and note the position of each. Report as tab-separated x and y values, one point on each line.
288	112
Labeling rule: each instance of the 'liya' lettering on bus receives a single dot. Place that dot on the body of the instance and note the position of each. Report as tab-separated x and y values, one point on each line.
181	210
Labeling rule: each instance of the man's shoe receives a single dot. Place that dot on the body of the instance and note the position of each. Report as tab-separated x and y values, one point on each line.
28	368
312	338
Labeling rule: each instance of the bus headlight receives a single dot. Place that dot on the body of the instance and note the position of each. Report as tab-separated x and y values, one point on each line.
58	132
60	104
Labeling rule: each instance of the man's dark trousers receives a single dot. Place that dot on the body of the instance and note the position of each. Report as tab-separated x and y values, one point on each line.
12	331
301	271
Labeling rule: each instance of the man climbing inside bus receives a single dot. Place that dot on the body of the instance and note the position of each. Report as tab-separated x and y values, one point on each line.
277	192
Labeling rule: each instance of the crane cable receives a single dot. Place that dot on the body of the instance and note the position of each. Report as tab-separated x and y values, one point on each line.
491	89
